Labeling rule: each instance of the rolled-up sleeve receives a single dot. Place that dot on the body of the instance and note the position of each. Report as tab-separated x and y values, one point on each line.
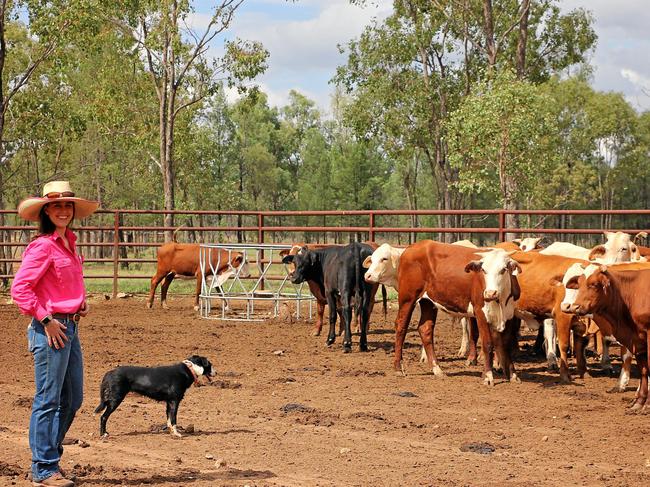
36	260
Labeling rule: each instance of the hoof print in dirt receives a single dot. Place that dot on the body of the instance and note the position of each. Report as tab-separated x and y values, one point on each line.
406	394
479	447
293	407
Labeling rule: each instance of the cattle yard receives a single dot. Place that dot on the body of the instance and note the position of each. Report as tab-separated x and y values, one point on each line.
286	410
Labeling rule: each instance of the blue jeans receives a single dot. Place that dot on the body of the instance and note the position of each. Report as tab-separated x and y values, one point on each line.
58	375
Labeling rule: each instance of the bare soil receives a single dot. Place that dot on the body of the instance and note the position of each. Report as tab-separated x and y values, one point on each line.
286	410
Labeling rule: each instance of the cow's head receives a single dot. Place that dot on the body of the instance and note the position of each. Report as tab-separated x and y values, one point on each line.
300	264
529	243
618	248
571	276
382	265
591	292
239	263
501	287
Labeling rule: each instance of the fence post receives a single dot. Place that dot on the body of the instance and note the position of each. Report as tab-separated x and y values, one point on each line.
502	225
371	230
116	250
260	239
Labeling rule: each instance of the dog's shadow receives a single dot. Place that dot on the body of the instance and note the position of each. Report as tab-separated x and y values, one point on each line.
185	477
163	430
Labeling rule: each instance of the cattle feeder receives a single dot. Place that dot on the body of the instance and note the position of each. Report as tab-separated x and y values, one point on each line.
255	291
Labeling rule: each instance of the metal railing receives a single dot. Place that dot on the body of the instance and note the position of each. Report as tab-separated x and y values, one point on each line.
107	236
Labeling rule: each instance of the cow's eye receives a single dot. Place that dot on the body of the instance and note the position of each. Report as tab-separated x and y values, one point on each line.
503	270
384	259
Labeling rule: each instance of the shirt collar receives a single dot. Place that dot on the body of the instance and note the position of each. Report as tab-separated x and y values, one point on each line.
72	238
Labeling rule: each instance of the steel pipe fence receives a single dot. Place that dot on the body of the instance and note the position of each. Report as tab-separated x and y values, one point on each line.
117	239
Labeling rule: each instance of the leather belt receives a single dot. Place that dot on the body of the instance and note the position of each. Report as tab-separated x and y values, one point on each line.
67	317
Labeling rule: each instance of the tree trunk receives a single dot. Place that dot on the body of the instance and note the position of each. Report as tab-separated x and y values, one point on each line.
523	38
490	44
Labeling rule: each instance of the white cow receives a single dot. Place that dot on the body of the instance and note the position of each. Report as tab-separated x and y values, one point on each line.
618	248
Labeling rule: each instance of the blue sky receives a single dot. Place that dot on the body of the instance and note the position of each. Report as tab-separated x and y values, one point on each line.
302	38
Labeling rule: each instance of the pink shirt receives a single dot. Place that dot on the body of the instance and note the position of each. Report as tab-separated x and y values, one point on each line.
50	278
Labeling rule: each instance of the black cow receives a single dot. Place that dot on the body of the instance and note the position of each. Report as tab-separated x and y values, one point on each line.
338	272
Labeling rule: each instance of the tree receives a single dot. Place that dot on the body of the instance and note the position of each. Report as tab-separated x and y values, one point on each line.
501	139
180	71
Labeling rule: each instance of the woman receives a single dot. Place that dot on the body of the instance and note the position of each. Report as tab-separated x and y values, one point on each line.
49	287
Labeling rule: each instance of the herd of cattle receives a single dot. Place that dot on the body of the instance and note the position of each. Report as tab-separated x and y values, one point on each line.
559	289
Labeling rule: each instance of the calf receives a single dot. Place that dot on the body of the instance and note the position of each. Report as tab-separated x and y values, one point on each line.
338	274
183	260
453	279
315	289
621	297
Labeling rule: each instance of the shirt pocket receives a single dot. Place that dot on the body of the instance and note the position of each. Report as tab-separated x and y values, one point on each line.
64	268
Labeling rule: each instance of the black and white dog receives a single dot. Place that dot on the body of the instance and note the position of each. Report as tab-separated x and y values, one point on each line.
167	383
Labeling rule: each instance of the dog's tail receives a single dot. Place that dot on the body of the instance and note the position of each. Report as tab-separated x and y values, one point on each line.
100	408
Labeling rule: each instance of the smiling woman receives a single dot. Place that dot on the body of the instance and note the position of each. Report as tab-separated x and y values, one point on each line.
49	287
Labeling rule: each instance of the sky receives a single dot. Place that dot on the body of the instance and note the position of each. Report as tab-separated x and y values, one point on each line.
302	38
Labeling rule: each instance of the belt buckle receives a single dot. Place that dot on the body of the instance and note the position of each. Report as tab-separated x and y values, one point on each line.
76	317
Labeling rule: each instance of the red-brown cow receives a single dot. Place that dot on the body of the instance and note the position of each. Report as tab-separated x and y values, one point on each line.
183	260
621	297
452	278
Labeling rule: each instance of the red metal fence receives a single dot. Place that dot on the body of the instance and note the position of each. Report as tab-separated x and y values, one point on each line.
118	237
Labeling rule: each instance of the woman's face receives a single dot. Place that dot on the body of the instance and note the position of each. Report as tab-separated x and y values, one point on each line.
60	213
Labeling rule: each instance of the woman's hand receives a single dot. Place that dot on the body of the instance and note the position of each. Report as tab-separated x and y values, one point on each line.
84	309
55	331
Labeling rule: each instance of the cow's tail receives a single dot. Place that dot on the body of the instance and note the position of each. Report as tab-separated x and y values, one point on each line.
101	407
175	232
383	299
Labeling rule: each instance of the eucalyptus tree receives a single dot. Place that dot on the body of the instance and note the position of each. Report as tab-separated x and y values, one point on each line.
176	58
409	72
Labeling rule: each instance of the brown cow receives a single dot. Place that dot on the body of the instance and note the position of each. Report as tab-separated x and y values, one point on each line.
452	278
319	294
621	297
183	260
541	298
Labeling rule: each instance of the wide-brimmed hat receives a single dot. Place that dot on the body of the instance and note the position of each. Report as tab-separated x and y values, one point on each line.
30	208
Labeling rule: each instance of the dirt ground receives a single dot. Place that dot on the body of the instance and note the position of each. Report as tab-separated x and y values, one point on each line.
286	410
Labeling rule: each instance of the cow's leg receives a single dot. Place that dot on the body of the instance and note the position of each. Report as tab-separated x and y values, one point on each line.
155	280
463	351
331	302
402	321
511	334
550	340
605	360
487	346
320	313
426	327
563	323
347	320
472	356
164	287
641	398
580	344
197	292
367	299
626	371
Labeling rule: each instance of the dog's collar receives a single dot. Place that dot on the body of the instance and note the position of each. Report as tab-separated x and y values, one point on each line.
189	365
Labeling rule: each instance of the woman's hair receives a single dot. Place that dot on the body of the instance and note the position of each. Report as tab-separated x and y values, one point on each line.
45	225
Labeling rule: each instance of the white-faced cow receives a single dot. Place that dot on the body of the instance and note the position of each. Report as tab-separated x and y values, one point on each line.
464	282
339	274
621	297
177	259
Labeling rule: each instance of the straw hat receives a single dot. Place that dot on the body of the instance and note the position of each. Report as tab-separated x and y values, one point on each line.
30	208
